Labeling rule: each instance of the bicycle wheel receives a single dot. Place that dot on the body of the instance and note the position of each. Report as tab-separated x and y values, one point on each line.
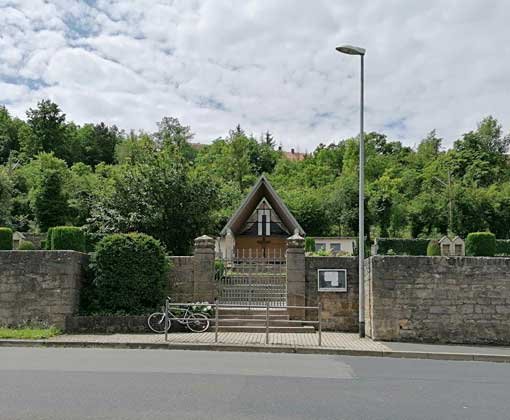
198	322
156	322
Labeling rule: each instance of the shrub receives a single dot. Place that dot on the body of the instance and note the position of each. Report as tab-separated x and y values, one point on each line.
47	243
68	237
402	246
50	202
481	244
309	244
322	253
219	269
5	238
433	249
129	273
503	247
26	246
91	240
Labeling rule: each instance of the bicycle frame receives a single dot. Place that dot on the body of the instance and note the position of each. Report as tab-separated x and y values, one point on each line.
183	319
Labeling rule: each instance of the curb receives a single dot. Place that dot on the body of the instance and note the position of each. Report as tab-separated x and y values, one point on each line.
476	357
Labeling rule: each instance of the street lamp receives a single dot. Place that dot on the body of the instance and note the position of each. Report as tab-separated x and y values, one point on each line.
351	50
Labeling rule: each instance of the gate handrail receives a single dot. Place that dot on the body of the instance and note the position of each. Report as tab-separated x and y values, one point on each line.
268	320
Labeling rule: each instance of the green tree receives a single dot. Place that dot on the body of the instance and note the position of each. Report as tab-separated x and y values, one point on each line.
135	148
173	135
50	203
308	206
9	140
6	190
159	197
47	130
238	159
479	156
92	144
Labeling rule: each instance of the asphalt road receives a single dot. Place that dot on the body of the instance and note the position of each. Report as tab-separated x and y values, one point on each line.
161	384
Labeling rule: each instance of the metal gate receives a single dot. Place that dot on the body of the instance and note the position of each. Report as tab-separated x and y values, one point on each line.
253	278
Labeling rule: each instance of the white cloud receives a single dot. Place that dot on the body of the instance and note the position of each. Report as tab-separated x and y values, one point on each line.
261	63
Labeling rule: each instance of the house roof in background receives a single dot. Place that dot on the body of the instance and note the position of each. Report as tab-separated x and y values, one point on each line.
292	155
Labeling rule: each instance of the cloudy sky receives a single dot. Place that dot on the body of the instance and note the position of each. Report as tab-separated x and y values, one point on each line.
266	64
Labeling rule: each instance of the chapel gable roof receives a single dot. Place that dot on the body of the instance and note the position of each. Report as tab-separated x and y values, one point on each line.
262	189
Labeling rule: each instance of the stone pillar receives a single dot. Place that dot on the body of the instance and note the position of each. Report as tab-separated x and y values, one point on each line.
204	287
296	273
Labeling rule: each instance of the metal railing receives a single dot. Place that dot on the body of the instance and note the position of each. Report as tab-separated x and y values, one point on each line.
267	324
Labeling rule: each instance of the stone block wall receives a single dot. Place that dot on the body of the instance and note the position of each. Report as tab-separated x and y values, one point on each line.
107	324
438	299
191	278
339	309
181	279
40	286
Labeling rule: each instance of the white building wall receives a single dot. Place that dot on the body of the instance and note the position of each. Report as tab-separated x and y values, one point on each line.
331	244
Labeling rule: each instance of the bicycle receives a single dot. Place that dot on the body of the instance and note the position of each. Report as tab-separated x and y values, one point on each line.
195	322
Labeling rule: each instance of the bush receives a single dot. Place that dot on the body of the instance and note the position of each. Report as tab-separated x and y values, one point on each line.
322	253
401	246
26	246
503	247
5	238
433	249
481	244
91	240
129	274
68	237
309	244
47	242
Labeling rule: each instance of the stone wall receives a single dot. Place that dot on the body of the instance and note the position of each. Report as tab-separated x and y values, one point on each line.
438	299
113	324
191	278
339	309
39	286
181	279
107	324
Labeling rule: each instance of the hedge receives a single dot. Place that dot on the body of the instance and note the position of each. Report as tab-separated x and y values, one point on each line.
130	274
433	249
5	238
68	238
26	246
503	247
481	244
47	242
402	246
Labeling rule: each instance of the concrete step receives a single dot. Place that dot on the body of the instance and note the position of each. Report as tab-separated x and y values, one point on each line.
260	329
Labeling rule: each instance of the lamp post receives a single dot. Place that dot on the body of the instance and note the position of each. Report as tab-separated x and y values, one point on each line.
351	50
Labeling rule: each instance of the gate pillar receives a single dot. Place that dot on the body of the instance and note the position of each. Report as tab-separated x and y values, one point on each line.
204	287
296	271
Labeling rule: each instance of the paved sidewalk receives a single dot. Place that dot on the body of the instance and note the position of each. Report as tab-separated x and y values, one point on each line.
332	343
329	339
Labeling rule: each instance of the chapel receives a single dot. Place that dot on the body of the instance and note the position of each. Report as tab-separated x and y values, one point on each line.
260	226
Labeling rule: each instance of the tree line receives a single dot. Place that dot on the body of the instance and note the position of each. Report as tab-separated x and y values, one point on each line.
55	172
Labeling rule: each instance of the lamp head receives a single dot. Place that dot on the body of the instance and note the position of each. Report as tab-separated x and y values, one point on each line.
351	50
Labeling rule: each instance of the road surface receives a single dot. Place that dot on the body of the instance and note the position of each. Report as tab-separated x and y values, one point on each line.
59	383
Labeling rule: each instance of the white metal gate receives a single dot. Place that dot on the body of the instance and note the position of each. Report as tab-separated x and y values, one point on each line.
251	278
